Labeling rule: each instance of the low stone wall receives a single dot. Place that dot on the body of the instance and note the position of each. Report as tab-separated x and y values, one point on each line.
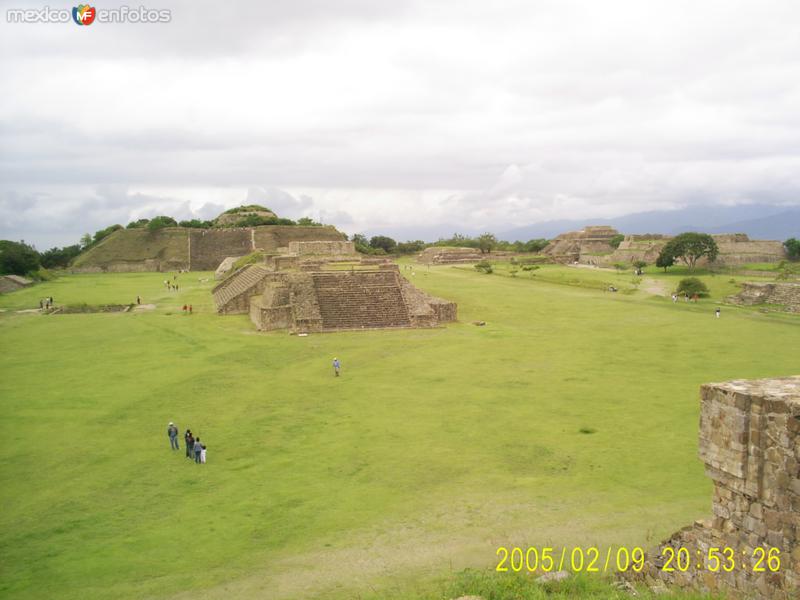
786	294
330	248
750	444
447	255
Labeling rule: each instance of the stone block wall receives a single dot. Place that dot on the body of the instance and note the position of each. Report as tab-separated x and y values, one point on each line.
786	294
750	444
328	248
209	247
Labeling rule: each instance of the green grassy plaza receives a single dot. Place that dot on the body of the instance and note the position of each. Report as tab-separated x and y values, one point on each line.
433	449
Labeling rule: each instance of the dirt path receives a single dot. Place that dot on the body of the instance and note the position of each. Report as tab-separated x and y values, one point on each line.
654	287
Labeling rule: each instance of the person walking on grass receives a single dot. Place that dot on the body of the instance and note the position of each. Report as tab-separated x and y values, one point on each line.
198	450
717	312
336	367
188	438
172	432
203	454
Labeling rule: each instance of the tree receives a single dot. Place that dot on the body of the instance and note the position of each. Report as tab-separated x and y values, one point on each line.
691	246
692	286
361	243
792	246
487	242
195	224
615	241
382	241
160	222
104	233
137	224
536	245
17	258
308	222
59	257
410	247
484	267
664	260
86	240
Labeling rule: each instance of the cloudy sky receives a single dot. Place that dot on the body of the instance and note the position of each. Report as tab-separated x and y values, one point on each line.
372	114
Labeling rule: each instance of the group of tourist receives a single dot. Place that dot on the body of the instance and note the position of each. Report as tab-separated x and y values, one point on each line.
172	285
195	449
46	303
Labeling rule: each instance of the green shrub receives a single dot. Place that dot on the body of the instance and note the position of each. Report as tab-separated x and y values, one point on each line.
484	267
692	286
616	240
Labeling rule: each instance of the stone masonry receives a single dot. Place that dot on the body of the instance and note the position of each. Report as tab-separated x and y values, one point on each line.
785	294
750	444
306	293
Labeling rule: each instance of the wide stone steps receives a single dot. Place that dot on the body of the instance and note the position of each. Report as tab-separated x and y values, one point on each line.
239	283
360	300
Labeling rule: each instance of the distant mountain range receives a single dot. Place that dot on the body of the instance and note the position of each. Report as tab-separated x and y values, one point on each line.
759	221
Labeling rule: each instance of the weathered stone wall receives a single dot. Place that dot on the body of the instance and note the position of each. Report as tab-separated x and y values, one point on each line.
750	444
329	248
210	246
446	255
786	294
270	239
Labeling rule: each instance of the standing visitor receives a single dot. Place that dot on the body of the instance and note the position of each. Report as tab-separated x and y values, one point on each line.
198	449
138	299
717	312
172	432
203	454
188	438
336	366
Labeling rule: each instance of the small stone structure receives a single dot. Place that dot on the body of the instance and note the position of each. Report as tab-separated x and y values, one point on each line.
785	294
308	292
750	444
11	283
593	240
444	255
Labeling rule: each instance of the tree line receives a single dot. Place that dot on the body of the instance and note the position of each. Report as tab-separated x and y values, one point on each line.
486	243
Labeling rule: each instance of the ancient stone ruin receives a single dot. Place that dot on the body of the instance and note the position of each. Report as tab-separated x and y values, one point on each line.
10	283
315	287
786	295
750	444
176	248
442	255
571	246
734	249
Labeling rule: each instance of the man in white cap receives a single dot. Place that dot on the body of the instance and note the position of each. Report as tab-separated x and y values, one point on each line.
336	367
172	432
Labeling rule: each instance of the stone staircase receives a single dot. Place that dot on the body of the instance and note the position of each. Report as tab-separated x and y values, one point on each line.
360	300
241	282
